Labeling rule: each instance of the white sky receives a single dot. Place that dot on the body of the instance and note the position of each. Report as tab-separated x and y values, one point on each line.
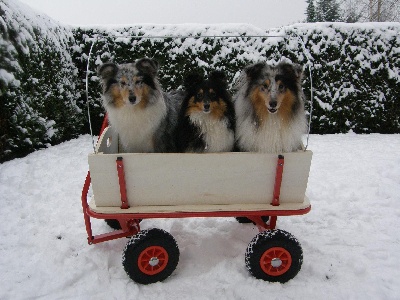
261	13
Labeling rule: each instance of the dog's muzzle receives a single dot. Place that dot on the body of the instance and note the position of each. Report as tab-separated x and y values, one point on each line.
272	107
132	99
206	107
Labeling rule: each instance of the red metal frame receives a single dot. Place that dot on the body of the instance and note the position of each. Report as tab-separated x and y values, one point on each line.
278	180
122	183
130	225
130	221
104	124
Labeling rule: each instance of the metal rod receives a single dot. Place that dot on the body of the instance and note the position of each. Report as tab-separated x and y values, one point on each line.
309	59
189	36
87	94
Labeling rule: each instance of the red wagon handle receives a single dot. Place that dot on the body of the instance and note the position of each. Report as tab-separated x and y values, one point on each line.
104	124
85	207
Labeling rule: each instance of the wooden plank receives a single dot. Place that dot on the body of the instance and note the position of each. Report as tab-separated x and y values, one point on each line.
151	209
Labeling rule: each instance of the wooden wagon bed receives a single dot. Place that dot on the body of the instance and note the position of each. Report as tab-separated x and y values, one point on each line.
191	182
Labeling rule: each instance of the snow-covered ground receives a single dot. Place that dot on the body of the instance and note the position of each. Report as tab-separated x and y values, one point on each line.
350	238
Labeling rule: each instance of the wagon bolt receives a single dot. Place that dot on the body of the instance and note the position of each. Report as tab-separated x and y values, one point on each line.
154	261
276	262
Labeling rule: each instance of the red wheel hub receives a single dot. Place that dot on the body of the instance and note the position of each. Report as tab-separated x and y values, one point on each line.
276	261
153	260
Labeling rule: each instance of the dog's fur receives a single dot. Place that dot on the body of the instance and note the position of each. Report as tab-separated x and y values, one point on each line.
206	120
269	105
138	110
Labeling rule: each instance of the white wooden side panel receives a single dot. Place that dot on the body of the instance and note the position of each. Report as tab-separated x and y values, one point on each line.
295	176
200	179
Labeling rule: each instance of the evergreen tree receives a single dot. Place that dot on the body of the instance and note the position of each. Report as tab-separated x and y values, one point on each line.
327	11
351	11
310	12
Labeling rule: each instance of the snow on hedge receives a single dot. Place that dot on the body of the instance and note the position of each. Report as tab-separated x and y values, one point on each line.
355	67
38	81
355	70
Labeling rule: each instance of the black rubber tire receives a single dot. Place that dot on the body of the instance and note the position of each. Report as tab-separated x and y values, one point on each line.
263	244
244	220
113	223
139	244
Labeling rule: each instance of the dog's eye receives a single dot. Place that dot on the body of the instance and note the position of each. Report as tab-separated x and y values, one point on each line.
213	95
281	87
199	96
264	88
123	83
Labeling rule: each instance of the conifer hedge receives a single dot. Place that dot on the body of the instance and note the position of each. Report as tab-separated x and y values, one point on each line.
355	70
38	82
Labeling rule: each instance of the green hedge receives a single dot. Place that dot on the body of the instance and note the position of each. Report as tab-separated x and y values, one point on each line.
38	82
355	70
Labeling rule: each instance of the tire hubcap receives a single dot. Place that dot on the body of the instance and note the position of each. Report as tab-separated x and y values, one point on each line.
276	261
153	260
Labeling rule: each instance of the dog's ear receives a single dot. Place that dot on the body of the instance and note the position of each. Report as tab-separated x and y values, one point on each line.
254	71
218	77
298	69
292	70
147	66
107	70
192	80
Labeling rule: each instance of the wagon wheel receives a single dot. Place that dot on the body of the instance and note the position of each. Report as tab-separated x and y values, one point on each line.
274	255
150	256
114	223
243	220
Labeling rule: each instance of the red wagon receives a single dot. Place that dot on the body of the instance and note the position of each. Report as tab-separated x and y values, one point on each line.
129	187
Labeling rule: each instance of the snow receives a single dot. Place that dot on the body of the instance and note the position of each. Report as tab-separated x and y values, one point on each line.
350	242
350	239
7	78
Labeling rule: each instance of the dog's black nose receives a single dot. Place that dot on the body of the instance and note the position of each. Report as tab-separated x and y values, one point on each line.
132	99
273	104
206	106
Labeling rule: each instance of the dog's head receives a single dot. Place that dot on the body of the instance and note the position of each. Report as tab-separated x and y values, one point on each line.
207	95
274	88
130	83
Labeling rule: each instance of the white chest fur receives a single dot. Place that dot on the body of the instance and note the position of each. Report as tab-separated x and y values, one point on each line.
216	135
136	126
272	136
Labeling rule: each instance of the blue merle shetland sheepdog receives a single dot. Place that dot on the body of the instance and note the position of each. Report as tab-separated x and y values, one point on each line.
269	106
206	120
138	110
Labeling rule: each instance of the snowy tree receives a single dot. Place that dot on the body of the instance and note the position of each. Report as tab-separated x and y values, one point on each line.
328	11
370	10
383	10
38	82
351	11
310	12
